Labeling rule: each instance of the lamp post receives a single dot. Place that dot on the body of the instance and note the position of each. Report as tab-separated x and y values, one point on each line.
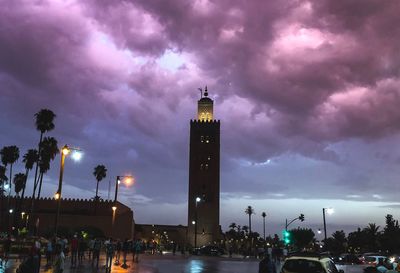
197	200
77	156
329	211
114	207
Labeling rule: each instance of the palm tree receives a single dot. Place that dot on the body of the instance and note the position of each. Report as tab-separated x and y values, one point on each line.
3	179
44	123
30	158
263	216
48	151
245	229
9	155
100	172
233	226
19	185
372	232
19	182
249	211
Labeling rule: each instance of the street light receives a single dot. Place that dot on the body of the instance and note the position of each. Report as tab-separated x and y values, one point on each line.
57	196
197	200
129	179
329	211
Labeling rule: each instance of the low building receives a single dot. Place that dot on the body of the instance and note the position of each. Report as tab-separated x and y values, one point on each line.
74	214
162	234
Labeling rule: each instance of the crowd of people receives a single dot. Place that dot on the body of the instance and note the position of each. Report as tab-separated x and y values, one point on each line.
80	251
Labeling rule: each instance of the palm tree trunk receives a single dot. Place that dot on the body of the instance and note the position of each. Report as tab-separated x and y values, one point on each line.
249	223
97	189
22	196
34	182
96	198
264	228
40	185
9	191
37	168
8	199
3	195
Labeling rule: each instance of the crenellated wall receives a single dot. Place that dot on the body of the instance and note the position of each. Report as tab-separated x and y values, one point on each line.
75	213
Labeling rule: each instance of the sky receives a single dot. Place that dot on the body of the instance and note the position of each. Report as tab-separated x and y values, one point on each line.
307	93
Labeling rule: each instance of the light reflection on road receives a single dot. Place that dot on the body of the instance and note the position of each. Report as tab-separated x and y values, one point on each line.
195	266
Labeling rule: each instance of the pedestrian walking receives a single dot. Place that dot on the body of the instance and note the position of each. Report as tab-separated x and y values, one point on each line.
81	250
118	248
109	253
138	248
59	263
74	251
6	250
37	248
125	249
49	253
96	252
173	248
91	245
266	265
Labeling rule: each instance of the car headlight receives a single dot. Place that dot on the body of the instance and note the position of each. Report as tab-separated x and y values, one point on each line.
392	259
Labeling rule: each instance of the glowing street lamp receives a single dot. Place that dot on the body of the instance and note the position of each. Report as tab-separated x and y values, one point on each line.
76	155
329	211
128	181
197	200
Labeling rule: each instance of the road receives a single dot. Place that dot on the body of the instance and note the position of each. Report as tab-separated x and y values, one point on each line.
174	264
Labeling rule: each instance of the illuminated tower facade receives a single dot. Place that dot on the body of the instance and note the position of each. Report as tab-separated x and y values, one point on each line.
204	168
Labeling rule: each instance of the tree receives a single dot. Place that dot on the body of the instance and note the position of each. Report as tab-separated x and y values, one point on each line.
302	237
339	241
100	172
249	211
30	158
245	229
44	123
263	216
390	238
19	182
233	226
357	240
9	155
3	180
372	233
48	151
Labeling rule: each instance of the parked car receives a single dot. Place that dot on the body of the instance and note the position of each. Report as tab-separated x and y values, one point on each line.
347	258
209	250
309	263
374	260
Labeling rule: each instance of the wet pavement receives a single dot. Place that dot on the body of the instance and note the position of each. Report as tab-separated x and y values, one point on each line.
172	264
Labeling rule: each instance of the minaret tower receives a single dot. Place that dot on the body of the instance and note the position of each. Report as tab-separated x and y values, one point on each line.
204	185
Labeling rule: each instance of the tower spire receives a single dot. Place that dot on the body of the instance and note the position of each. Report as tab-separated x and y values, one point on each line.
205	107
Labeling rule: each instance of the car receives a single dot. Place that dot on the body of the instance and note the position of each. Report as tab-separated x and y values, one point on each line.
347	258
209	250
309	263
374	259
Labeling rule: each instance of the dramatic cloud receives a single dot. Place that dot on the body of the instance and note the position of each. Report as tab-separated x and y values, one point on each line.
307	93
